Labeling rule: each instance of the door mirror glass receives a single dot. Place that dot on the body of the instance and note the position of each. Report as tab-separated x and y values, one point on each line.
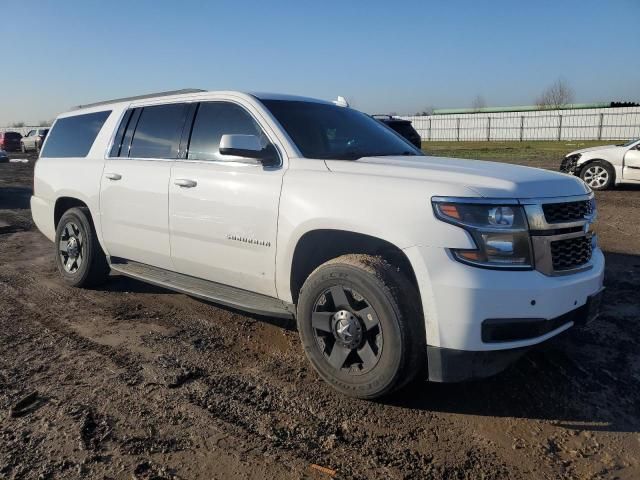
247	146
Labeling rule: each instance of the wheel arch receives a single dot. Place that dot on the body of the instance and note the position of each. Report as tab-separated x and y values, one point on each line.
318	246
65	203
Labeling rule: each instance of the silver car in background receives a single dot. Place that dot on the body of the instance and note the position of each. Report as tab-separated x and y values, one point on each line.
33	140
606	166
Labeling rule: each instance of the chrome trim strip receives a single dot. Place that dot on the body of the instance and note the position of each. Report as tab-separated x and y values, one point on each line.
567	199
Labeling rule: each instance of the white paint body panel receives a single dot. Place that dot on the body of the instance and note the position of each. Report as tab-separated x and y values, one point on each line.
134	211
224	228
219	229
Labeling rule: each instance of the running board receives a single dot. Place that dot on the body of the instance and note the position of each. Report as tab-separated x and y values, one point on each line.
204	289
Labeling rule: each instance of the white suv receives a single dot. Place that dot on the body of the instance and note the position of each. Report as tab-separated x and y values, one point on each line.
391	261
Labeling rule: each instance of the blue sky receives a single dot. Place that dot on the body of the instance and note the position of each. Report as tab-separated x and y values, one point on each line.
384	56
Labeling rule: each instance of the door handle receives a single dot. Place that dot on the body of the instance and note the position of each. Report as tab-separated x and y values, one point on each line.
113	176
185	182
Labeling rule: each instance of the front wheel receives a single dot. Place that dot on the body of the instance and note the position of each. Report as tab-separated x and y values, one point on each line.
361	326
598	175
79	257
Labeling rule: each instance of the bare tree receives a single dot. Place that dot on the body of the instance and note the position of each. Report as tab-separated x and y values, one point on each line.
44	123
17	124
556	96
428	110
478	103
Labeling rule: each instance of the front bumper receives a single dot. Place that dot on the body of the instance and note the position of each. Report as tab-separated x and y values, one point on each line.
458	298
449	365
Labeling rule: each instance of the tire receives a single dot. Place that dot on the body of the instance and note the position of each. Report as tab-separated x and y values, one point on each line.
598	175
361	326
79	257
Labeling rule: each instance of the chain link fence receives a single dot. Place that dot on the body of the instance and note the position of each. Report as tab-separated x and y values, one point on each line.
587	124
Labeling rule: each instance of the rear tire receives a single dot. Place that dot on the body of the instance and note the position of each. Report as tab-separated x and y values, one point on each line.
79	257
598	175
361	326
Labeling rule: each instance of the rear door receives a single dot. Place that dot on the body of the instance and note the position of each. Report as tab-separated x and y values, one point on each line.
631	169
134	192
223	211
28	140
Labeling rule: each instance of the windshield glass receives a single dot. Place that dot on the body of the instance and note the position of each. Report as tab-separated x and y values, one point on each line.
327	131
630	142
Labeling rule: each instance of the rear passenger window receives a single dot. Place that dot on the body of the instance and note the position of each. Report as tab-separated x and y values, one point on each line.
215	119
74	136
157	134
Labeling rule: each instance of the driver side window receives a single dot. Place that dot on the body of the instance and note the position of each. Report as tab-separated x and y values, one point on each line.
214	119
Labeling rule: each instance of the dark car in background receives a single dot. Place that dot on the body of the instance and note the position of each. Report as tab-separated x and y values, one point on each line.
401	126
33	140
10	141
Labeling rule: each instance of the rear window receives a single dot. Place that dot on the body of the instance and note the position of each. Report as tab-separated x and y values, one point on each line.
74	136
12	135
403	128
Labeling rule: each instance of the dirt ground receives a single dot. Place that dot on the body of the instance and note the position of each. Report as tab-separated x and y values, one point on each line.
132	381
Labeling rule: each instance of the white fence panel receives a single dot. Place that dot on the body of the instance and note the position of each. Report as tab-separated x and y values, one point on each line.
586	124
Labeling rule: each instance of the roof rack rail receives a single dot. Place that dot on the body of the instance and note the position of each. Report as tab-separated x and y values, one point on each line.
385	115
141	97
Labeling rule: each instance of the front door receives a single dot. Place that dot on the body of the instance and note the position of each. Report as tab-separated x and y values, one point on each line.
631	169
223	214
134	193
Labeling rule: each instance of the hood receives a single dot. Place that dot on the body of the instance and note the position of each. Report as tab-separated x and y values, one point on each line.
485	179
593	149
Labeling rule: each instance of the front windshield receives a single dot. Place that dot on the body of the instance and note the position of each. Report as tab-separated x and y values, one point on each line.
325	131
631	142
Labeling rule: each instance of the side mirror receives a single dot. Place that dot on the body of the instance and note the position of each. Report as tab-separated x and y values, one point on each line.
248	146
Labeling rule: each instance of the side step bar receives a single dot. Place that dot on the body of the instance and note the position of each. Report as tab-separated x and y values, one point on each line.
204	289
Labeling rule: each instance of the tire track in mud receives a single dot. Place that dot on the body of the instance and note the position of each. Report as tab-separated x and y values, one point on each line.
244	377
275	408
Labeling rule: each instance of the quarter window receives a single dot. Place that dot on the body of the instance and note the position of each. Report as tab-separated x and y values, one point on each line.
215	119
73	136
157	134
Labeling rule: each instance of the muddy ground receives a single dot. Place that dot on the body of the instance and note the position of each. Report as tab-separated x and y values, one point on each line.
132	381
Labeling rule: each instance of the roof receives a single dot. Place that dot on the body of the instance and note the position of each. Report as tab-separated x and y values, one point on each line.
281	96
191	91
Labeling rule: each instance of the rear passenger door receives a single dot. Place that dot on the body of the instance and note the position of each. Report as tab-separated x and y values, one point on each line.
223	211
134	194
27	140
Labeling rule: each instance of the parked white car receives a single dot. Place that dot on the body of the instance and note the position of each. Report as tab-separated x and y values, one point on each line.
603	167
390	260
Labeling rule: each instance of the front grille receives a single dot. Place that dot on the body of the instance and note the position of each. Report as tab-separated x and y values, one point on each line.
567	212
570	253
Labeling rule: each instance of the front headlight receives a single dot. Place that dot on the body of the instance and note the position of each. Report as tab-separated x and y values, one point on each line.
500	232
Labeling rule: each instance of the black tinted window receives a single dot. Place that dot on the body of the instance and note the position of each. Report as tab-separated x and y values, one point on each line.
12	136
322	130
214	120
74	136
403	128
158	132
